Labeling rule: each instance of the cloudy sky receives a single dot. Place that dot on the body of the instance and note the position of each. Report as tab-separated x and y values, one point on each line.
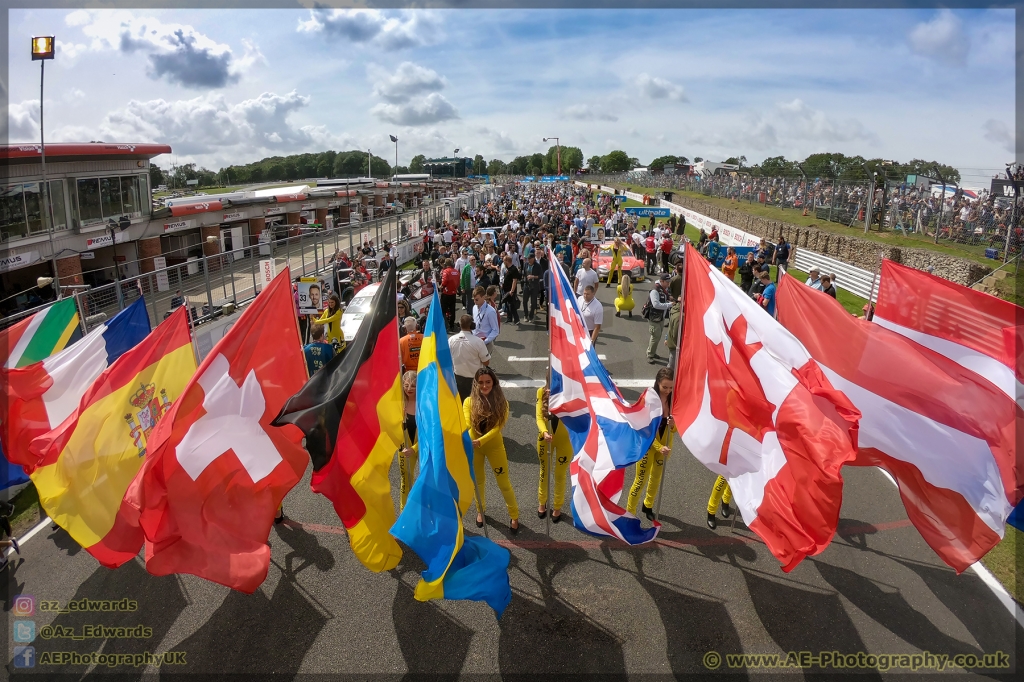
233	86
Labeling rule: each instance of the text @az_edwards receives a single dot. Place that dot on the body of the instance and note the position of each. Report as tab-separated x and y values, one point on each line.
95	632
837	660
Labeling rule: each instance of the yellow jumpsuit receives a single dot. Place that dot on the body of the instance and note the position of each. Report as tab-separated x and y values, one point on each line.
406	467
492	447
653	463
332	327
616	264
624	301
561	452
720	493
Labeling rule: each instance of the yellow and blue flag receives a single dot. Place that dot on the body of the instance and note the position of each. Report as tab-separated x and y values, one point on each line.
458	566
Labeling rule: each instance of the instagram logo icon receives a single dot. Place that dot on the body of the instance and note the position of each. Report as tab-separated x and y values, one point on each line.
24	605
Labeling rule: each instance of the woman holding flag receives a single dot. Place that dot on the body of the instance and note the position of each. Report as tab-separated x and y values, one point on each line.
553	440
330	318
652	466
486	411
411	451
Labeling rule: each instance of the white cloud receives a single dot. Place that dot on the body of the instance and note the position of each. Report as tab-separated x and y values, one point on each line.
408	81
587	112
659	88
801	121
175	52
388	30
433	108
69	52
999	133
23	121
498	141
943	39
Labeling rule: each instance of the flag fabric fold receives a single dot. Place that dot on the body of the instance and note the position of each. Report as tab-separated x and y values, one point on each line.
38	397
86	464
43	334
458	566
607	433
351	412
945	433
216	470
753	406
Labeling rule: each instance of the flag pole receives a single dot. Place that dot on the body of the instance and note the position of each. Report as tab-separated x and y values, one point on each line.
875	280
547	447
678	352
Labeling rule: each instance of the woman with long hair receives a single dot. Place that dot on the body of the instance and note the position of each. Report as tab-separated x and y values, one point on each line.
616	264
650	469
553	438
624	299
407	455
331	320
486	411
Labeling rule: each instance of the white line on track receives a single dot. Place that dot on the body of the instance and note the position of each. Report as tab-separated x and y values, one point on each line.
986	577
27	536
516	358
537	383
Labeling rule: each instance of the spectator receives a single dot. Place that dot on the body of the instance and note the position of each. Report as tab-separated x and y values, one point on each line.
657	308
781	258
509	294
409	346
469	353
650	254
667	246
827	286
592	310
731	264
713	248
485	319
814	279
318	353
450	281
533	287
767	296
585	276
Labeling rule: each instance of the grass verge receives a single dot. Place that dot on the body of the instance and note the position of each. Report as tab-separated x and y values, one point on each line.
1006	562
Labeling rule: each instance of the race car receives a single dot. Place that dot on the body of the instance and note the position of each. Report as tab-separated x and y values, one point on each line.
632	266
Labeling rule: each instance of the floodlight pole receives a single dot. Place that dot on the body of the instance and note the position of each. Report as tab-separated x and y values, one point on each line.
44	195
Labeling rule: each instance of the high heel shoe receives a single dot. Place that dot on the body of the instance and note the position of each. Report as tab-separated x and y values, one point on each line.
515	528
726	510
543	514
279	518
648	512
479	522
556	518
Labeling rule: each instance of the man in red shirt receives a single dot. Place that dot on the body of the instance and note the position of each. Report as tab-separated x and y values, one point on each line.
651	249
666	250
450	280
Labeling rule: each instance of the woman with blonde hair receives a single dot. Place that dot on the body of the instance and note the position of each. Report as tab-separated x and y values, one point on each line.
553	440
408	455
624	299
486	411
616	264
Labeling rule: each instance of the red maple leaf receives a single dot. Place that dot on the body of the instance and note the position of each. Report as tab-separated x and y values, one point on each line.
736	394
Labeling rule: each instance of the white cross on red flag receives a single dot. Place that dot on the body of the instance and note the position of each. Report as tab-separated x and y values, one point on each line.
216	469
753	406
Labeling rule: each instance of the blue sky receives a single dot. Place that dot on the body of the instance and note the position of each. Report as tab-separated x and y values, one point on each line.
232	86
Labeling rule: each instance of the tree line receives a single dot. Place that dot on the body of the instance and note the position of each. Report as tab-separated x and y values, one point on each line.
355	163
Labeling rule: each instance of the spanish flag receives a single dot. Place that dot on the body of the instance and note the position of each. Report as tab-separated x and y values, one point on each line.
459	566
87	462
351	412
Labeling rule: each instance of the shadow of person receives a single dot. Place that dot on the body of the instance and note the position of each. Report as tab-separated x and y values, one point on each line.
509	344
9	579
974	605
892	611
64	542
253	635
158	601
855	532
804	620
433	644
721	545
306	549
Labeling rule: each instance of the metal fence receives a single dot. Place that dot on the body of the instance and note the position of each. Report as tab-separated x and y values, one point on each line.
988	223
208	283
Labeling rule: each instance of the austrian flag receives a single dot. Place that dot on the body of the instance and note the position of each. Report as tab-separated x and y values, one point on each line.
753	406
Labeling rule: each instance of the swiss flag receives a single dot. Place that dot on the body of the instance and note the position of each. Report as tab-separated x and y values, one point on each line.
216	469
752	406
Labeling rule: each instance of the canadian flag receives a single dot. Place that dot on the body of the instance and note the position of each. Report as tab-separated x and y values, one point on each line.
216	469
946	433
753	406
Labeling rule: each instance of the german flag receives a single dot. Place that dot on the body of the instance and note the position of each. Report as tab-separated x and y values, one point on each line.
351	412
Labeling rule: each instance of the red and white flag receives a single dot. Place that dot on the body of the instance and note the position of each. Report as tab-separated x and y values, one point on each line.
753	406
981	332
944	432
216	469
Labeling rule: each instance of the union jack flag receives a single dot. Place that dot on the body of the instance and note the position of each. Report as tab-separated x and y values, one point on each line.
607	433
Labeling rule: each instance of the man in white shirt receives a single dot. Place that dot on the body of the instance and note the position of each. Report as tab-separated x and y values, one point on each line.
448	235
814	279
592	310
585	276
469	353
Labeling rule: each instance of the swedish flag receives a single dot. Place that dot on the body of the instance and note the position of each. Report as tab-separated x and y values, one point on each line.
458	566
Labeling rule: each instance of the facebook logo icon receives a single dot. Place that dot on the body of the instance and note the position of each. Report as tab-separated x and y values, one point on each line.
24	657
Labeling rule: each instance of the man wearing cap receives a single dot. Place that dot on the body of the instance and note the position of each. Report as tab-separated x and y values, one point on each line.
659	307
814	279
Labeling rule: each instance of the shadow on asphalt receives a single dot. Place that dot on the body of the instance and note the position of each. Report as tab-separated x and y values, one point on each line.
715	545
64	542
795	619
433	644
306	550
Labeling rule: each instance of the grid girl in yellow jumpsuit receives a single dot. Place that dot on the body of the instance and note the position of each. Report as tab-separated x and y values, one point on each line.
721	492
616	264
486	411
330	318
552	437
408	455
650	469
